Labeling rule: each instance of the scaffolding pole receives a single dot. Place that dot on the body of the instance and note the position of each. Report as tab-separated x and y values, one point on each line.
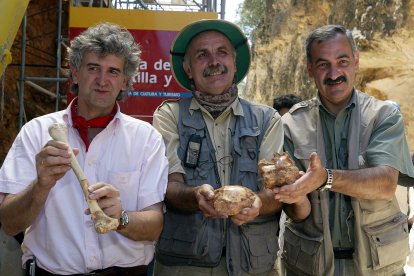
20	87
58	54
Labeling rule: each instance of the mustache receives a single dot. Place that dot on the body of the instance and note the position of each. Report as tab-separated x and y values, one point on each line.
213	69
337	80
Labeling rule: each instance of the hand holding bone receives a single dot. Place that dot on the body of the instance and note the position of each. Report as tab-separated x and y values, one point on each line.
103	223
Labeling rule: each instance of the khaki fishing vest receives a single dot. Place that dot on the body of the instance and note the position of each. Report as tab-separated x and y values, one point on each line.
381	229
192	239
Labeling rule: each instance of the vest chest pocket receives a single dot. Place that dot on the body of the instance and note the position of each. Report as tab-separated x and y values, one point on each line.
301	254
204	165
202	170
246	143
246	149
388	240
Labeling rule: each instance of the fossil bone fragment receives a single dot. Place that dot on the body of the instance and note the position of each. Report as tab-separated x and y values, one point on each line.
279	171
102	222
232	199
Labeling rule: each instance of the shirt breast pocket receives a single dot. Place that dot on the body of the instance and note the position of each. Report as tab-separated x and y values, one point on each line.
302	154
128	184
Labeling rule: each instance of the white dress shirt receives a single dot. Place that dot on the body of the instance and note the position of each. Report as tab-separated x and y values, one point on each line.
128	154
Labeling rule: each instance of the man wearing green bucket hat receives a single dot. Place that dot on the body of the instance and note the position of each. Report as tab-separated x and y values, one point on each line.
216	139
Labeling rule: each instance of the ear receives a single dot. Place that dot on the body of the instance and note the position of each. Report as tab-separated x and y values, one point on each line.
357	59
187	70
74	74
124	84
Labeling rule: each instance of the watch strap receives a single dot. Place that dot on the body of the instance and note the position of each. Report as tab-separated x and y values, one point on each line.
329	181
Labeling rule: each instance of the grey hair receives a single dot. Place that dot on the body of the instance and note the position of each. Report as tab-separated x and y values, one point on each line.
325	33
104	39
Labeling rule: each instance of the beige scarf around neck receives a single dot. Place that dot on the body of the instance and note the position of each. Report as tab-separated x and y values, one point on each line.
216	104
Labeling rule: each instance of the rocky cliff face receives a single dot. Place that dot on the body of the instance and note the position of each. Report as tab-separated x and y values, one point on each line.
383	29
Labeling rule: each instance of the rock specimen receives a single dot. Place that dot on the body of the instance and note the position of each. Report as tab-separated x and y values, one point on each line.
232	199
279	171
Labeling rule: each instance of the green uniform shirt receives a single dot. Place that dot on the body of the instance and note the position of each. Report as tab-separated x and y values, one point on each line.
335	132
335	135
374	135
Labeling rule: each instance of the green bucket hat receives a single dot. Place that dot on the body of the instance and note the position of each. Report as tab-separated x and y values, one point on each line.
230	30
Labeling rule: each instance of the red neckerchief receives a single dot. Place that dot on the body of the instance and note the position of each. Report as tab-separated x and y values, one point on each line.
82	125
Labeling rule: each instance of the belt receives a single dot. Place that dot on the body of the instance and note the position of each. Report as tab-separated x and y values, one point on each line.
343	253
140	270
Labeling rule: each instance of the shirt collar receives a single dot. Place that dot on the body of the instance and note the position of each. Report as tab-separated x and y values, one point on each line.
351	104
67	116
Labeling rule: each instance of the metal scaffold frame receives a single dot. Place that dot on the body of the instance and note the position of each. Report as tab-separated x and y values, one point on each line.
62	40
164	5
25	79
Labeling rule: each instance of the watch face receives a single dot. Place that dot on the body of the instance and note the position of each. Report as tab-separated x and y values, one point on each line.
124	220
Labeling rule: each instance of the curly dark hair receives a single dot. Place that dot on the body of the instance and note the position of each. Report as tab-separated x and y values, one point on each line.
104	39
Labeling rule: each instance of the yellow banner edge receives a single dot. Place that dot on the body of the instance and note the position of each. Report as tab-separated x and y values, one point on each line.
84	17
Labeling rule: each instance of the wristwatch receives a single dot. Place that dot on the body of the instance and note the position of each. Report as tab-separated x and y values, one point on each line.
123	220
329	181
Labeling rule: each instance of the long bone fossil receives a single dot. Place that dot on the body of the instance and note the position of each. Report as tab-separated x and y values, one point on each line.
103	223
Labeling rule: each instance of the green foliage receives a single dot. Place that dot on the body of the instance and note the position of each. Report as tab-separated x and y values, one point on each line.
251	14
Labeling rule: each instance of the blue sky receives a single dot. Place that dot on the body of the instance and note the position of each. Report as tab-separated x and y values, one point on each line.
231	7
